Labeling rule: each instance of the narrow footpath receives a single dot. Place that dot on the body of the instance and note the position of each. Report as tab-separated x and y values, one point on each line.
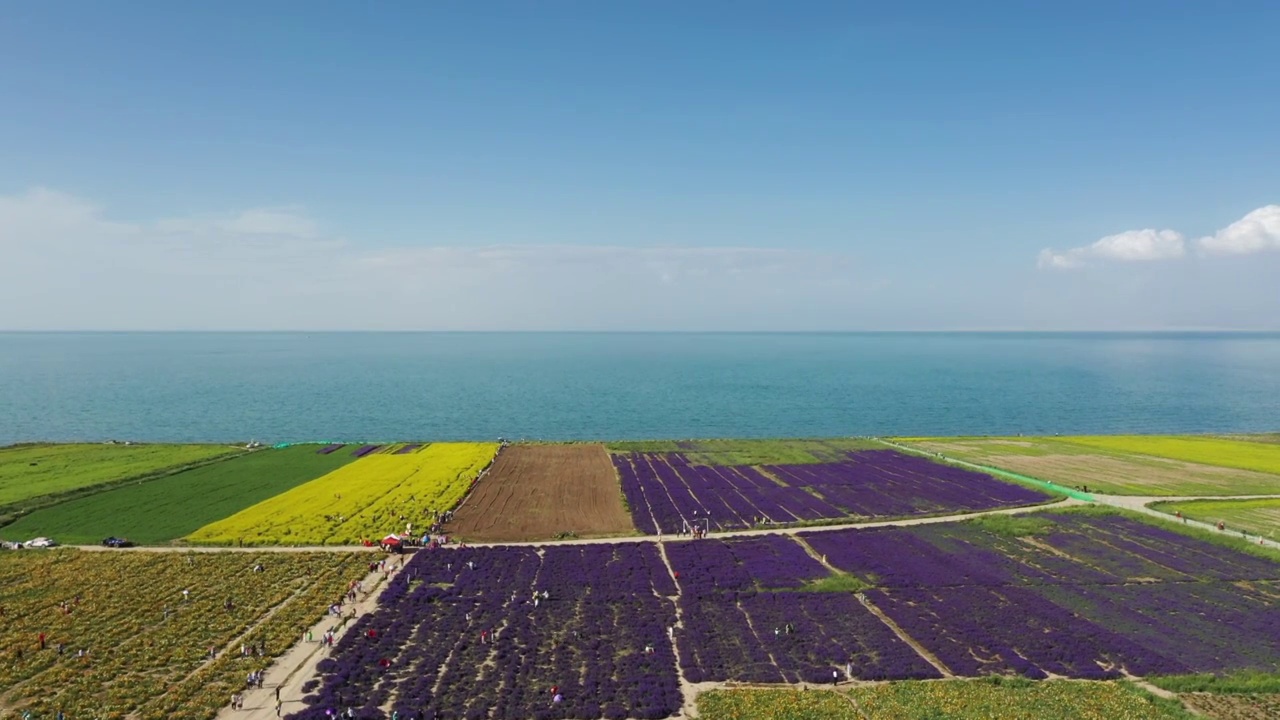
290	671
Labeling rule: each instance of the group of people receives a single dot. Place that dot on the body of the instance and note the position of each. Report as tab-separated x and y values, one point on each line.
694	531
252	650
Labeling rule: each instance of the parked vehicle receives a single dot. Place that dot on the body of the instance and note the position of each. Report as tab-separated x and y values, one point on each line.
42	542
115	542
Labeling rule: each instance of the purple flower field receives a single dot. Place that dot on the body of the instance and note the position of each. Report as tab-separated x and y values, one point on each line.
1091	598
734	631
1069	594
665	490
327	449
587	638
364	450
408	449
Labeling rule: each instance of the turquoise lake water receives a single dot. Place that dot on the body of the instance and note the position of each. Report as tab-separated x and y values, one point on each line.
383	386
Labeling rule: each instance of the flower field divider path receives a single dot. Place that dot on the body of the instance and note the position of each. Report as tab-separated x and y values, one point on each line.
888	622
688	692
904	637
1141	504
479	476
290	671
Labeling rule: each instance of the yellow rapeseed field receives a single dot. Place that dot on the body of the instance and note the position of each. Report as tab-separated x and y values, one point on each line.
1260	457
373	496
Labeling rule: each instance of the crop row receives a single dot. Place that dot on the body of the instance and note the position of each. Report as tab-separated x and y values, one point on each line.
469	634
666	491
734	631
28	471
170	507
1085	596
119	632
961	700
375	495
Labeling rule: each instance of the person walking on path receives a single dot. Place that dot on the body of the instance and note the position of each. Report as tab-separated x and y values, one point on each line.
279	706
835	678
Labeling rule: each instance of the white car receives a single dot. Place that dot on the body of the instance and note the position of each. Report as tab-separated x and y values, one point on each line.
41	542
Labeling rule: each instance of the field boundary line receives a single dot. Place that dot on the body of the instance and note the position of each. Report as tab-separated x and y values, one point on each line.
921	650
479	476
54	499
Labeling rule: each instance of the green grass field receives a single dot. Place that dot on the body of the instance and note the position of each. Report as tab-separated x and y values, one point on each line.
752	452
29	471
1258	517
1013	700
161	510
1115	470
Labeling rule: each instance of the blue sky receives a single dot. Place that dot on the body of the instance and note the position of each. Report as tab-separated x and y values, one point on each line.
657	165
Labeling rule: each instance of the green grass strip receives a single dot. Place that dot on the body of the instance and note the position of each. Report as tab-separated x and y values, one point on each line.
162	510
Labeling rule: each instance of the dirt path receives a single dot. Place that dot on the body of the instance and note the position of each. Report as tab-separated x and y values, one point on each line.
904	637
1141	503
289	671
633	538
216	549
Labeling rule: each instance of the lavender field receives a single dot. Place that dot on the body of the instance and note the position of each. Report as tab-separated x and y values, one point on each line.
664	490
1082	596
459	634
737	628
467	633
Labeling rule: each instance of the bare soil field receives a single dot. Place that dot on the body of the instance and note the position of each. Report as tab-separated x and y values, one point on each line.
1106	471
534	492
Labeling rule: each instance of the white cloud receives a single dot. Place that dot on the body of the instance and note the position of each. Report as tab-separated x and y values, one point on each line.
1255	232
1130	246
67	265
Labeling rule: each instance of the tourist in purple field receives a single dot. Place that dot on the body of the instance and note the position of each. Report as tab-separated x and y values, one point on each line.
835	677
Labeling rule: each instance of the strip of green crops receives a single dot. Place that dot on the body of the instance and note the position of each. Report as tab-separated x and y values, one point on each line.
161	510
1258	517
29	471
1241	682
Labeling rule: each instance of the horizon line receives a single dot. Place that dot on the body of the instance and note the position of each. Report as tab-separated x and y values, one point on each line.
934	331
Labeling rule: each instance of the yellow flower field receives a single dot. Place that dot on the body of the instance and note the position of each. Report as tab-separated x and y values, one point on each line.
1260	457
1017	700
123	641
369	498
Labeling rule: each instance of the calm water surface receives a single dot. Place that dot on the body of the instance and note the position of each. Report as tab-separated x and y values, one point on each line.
382	386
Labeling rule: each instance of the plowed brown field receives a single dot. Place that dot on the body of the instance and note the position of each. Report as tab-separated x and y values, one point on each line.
534	492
